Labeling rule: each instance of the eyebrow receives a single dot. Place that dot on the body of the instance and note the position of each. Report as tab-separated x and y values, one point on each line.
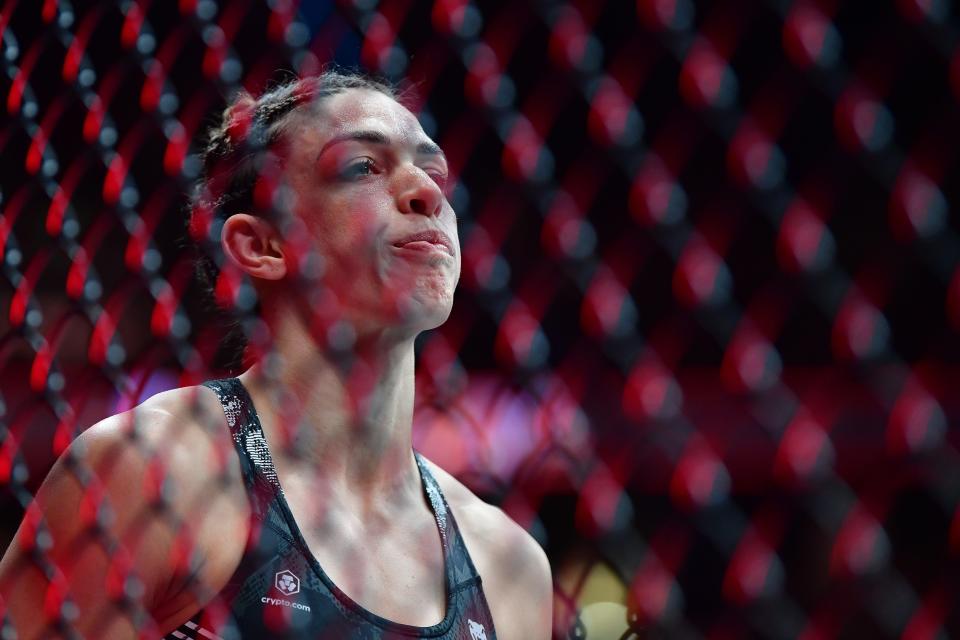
423	148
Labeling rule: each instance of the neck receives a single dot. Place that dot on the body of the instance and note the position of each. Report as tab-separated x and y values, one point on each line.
350	424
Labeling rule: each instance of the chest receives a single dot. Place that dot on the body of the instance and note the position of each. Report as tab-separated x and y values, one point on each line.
391	565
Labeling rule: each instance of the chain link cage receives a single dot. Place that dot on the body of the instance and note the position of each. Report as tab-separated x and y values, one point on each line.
706	330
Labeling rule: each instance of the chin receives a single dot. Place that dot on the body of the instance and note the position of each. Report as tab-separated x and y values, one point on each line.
423	315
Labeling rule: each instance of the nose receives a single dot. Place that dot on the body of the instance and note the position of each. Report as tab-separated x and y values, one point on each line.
420	194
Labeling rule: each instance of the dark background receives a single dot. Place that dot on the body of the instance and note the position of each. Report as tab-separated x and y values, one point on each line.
705	342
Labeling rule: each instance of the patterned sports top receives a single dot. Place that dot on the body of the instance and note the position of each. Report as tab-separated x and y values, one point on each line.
279	590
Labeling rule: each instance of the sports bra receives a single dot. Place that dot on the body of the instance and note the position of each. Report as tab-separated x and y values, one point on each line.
279	590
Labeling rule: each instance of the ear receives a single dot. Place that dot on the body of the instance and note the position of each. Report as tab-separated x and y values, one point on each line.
254	245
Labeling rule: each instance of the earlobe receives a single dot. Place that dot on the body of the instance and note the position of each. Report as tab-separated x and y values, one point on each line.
254	244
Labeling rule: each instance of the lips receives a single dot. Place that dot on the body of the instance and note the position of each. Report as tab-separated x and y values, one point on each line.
432	236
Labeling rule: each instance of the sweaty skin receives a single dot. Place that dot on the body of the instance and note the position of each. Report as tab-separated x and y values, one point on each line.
362	175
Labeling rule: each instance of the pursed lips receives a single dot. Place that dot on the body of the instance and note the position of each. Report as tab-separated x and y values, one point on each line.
431	236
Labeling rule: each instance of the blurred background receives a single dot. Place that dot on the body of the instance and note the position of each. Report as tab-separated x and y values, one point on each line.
707	328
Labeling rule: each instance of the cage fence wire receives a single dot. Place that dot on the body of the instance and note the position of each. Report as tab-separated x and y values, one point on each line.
706	330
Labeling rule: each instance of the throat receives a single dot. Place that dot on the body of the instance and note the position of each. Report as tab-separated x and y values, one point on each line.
354	424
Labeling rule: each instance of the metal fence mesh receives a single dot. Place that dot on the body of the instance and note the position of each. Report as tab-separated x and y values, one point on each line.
706	333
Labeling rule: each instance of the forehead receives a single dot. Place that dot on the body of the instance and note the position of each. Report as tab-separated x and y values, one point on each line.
368	110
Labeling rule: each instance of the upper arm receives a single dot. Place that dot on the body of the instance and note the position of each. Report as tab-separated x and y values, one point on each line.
540	587
118	510
85	529
517	581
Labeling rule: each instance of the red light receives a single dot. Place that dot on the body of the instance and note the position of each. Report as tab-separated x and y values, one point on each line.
705	78
804	243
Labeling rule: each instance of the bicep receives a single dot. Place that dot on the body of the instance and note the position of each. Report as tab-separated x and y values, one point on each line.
88	548
37	593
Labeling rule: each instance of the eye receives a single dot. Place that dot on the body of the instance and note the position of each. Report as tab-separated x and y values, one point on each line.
440	177
360	168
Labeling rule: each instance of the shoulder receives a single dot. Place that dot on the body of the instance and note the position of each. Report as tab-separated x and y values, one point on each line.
172	419
150	479
513	566
161	451
191	461
175	443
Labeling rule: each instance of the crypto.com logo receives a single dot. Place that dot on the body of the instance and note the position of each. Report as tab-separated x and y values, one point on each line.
287	583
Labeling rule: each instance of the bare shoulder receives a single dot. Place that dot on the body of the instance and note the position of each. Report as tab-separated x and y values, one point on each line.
190	445
171	421
512	565
176	443
160	477
179	417
487	523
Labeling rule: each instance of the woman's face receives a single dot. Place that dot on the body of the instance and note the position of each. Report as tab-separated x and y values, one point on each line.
365	177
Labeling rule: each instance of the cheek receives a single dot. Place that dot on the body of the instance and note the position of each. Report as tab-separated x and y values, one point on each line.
342	225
